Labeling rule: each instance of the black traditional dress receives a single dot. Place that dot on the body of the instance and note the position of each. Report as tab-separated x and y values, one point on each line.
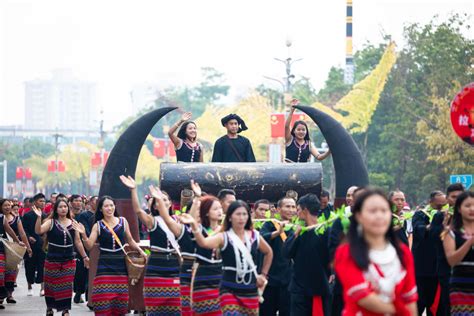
59	267
207	279
296	152
238	293
110	287
161	284
187	246
188	153
461	285
11	274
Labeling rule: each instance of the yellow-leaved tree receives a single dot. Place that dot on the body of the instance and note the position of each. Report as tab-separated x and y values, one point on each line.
355	110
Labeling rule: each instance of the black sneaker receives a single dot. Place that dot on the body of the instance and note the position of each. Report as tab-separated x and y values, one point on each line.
77	298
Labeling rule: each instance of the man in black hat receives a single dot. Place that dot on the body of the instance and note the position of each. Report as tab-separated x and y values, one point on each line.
233	147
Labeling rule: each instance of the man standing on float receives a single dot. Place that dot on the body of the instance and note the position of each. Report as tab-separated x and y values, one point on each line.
233	147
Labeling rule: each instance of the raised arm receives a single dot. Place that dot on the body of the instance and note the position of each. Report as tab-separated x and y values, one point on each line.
88	241
288	136
171	133
145	218
453	255
41	228
175	227
212	242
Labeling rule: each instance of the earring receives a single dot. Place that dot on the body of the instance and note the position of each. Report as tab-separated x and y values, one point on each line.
359	230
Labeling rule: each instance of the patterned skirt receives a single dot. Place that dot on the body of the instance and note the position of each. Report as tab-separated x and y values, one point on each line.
10	279
110	287
239	299
58	282
3	290
185	275
161	285
205	289
461	290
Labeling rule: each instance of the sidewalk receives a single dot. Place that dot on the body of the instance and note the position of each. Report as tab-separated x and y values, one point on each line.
35	305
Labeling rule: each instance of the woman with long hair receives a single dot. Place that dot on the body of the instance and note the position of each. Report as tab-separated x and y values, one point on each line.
298	143
161	289
4	229
60	264
13	220
376	270
185	239
110	287
239	244
185	142
458	246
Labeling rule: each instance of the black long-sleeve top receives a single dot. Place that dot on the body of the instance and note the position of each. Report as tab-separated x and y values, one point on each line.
29	222
336	235
280	270
310	271
443	268
423	249
223	151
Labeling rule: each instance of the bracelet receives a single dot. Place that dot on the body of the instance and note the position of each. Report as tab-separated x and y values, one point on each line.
85	257
195	232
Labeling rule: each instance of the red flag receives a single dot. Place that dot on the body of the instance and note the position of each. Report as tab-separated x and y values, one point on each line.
51	166
19	173
28	174
277	121
61	166
159	148
95	160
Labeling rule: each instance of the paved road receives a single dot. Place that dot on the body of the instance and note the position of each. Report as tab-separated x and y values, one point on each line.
35	305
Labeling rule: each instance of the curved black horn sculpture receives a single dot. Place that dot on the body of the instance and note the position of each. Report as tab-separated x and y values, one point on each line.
124	156
348	163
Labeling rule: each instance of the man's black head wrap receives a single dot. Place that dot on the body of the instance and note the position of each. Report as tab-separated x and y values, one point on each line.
242	126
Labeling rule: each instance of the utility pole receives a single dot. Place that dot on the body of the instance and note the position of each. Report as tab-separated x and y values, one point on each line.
56	136
288	62
4	164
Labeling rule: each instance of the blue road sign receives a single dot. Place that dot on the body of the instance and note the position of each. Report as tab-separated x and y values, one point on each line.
465	179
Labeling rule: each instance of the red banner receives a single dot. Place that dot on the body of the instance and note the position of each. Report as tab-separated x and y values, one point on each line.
462	114
277	121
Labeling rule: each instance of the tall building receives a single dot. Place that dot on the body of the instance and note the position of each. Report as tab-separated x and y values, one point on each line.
62	102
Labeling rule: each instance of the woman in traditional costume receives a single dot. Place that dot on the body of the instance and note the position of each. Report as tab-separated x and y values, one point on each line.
13	220
238	243
376	270
185	142
298	143
110	287
161	289
60	263
185	238
458	245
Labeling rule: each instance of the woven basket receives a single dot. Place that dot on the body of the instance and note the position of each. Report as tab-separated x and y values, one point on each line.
135	266
14	253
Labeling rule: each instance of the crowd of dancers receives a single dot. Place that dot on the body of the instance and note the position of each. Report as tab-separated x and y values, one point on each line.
218	255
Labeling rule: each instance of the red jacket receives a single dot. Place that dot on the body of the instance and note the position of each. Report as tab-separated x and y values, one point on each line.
356	287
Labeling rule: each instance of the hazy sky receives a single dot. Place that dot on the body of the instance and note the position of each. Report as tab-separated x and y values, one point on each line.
119	44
